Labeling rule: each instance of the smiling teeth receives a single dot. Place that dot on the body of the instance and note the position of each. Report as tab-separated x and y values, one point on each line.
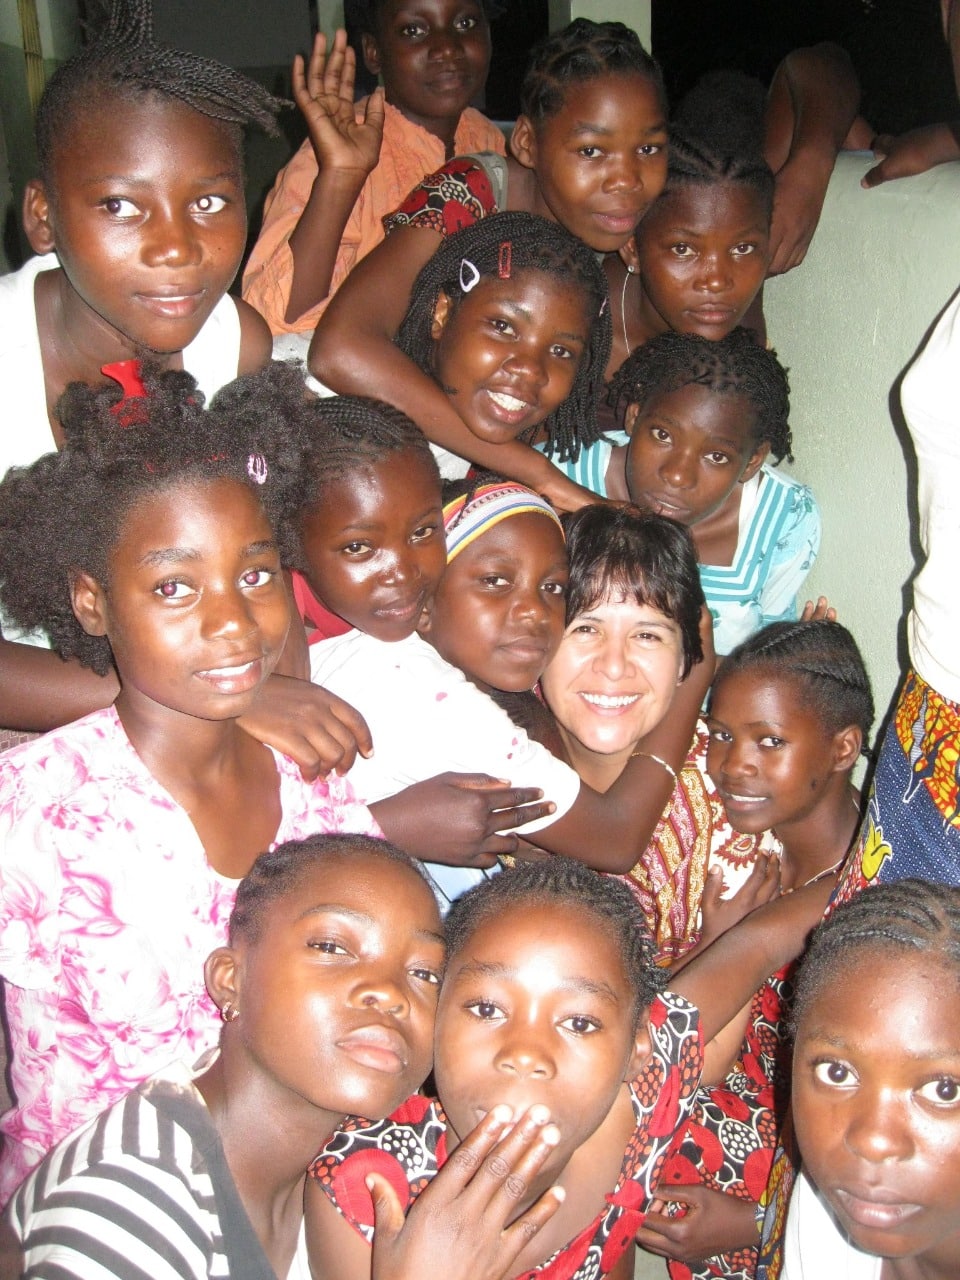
229	671
510	403
609	700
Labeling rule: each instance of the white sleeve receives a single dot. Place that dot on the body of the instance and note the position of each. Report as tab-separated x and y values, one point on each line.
931	404
426	718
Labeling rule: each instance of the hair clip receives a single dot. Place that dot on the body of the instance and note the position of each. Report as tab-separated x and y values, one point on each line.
504	259
257	468
469	275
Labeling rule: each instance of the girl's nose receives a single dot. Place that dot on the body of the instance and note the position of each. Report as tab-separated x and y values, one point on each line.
524	1057
227	613
737	760
383	993
530	604
528	365
715	274
171	240
401	568
878	1129
443	43
679	469
624	173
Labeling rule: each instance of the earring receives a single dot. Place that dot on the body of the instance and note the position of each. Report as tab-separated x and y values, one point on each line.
229	1012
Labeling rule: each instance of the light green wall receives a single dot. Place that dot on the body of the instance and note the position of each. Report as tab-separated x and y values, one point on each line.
635	13
59	37
847	323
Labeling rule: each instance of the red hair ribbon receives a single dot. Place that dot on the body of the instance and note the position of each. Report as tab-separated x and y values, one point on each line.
127	372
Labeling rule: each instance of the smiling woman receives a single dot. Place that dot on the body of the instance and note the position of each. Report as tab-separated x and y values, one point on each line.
632	637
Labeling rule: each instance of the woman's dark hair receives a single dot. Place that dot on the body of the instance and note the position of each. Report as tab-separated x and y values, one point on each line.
716	136
565	882
278	872
64	514
823	658
124	61
734	365
644	557
502	245
582	51
903	917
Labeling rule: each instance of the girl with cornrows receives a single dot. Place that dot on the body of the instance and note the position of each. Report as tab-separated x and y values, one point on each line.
698	260
588	151
699	419
790	711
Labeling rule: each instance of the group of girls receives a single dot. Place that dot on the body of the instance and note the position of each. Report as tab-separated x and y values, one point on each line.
152	550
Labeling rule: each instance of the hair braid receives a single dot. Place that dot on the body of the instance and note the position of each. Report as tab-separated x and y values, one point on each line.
124	60
560	881
716	136
582	51
823	657
908	915
734	365
535	244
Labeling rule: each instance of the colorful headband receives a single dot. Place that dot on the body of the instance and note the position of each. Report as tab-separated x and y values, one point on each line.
467	517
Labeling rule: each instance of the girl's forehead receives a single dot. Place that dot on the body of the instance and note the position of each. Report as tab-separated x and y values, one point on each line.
533	935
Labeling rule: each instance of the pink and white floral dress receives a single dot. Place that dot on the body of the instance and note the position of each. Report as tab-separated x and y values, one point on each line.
108	910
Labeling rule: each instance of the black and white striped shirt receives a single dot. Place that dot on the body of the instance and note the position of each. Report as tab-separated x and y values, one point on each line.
141	1193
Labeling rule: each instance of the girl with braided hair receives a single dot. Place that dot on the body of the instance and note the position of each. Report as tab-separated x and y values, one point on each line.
587	152
697	262
509	317
876	1089
699	420
790	711
138	219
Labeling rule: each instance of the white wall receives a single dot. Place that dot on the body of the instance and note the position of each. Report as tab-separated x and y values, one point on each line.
847	323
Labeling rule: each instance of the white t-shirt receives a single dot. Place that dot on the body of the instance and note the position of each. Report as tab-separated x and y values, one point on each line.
930	396
426	718
814	1247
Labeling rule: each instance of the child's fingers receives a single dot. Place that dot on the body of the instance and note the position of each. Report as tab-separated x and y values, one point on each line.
388	1216
375	110
495	1184
518	1235
298	82
317	65
333	71
349	74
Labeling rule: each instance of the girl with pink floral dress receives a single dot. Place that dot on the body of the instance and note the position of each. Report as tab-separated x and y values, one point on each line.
147	541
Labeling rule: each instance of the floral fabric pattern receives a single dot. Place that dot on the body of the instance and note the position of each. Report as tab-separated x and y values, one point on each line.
693	835
456	196
108	909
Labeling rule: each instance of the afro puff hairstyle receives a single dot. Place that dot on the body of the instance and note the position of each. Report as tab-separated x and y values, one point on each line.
65	513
